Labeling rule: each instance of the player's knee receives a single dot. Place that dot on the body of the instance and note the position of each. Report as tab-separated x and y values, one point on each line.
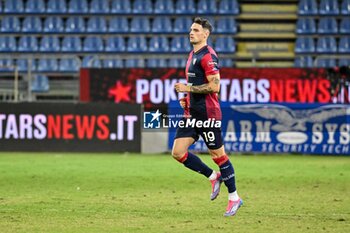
177	154
217	152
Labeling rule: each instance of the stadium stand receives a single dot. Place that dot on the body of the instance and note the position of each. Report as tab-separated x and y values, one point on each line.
121	6
345	7
280	33
53	24
164	7
50	44
56	6
113	63
35	6
32	24
13	6
306	26
118	25
333	26
161	24
48	65
10	24
40	83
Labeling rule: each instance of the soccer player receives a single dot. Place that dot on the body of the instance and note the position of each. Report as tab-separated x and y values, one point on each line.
201	103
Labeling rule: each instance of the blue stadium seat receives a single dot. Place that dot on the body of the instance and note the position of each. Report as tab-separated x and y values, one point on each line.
50	44
6	65
180	44
156	63
326	62
135	63
115	44
54	24
303	62
230	7
306	26
305	45
10	24
140	24
75	24
177	63
56	6
142	7
328	25
182	24
96	24
225	45
329	7
35	6
99	6
161	24
344	62
121	6
159	44
345	26
113	63
69	64
226	25
93	44
164	7
206	7
91	62
345	7
7	44
344	44
71	44
23	64
78	6
28	44
137	44
185	7
13	6
40	83
118	24
326	44
32	24
307	7
226	62
47	65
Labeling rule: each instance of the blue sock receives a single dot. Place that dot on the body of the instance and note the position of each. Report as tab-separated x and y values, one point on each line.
228	176
194	163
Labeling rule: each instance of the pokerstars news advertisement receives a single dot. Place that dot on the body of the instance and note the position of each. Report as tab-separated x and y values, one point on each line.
315	110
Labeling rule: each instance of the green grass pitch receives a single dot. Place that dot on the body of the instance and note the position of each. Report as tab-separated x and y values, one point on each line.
61	192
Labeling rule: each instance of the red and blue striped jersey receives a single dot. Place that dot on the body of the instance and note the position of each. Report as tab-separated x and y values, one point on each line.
199	65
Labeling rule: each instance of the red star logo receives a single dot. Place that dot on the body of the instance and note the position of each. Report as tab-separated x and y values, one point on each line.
120	92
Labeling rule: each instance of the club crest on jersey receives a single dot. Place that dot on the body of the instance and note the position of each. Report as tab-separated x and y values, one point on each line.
194	61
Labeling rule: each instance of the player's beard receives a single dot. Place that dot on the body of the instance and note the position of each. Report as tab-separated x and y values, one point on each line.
194	42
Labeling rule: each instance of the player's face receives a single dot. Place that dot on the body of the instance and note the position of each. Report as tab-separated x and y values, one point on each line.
197	34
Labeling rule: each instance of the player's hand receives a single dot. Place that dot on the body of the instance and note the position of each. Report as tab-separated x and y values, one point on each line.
184	102
180	87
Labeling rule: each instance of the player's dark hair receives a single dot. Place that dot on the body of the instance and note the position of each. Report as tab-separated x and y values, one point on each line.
204	22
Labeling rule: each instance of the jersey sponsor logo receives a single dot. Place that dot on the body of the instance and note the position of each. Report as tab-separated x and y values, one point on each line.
212	63
194	61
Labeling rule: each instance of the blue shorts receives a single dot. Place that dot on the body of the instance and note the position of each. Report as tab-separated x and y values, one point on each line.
211	136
